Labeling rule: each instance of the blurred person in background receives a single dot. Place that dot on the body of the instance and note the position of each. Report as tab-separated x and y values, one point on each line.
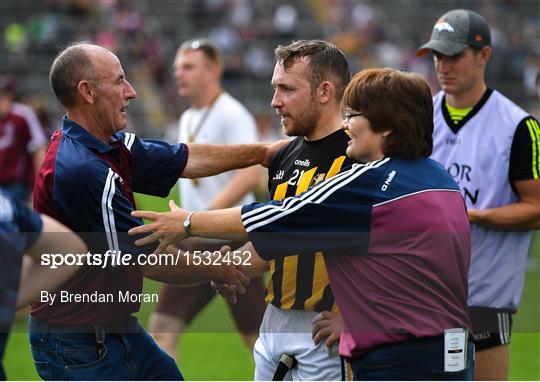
214	117
492	149
22	143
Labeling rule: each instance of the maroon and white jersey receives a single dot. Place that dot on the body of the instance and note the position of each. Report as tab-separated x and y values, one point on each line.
20	136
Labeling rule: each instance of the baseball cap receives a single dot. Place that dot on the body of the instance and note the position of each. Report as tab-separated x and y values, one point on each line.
455	31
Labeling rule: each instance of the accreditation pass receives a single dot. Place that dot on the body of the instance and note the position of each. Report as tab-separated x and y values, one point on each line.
455	349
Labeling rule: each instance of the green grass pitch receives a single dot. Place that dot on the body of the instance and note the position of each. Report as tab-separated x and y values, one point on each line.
212	351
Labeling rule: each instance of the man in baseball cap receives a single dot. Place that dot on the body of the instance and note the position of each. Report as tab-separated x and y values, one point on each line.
455	31
488	145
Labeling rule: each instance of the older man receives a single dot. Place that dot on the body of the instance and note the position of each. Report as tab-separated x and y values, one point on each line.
90	173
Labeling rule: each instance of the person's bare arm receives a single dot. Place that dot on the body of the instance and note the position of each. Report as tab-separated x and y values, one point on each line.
186	269
257	265
241	183
57	239
523	215
167	227
207	160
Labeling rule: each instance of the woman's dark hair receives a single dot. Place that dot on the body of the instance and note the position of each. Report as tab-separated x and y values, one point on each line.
398	102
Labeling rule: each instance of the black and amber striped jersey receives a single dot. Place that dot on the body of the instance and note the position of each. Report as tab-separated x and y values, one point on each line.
301	282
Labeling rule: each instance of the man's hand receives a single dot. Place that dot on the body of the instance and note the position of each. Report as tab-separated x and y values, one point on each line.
272	150
327	326
167	227
225	291
232	282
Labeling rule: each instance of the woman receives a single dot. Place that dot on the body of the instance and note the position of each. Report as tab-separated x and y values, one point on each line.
394	233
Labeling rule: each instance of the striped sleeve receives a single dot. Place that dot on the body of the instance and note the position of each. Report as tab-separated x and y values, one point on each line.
332	217
91	198
525	153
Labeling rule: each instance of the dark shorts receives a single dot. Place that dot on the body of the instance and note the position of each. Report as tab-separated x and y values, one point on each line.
185	302
491	326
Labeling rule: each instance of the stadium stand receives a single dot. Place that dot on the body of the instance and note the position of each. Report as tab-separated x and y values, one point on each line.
144	34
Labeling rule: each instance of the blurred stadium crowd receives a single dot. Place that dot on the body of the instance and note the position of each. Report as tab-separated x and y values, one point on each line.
145	35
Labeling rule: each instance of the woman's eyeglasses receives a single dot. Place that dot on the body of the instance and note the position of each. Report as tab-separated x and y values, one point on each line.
348	116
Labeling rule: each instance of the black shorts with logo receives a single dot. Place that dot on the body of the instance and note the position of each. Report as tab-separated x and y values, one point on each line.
491	326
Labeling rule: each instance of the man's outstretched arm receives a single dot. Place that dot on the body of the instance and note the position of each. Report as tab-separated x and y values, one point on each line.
207	160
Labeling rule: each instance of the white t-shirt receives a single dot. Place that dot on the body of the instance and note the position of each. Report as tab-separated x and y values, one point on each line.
228	122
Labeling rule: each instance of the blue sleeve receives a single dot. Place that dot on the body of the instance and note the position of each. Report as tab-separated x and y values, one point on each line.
91	199
333	217
29	222
20	227
157	165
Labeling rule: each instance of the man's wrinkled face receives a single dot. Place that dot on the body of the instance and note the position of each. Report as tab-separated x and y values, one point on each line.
113	92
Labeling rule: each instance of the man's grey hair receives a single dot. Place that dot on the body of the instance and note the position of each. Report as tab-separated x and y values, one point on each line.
71	66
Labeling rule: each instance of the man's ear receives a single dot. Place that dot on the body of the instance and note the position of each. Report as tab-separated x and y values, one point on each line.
484	55
86	90
325	92
215	69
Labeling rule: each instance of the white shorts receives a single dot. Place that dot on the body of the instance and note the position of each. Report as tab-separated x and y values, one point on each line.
289	332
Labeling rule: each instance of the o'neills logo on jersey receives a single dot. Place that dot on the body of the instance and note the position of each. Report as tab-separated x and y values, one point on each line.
442	25
388	180
303	163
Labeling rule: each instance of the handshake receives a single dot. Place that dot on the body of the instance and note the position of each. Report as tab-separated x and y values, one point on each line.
228	271
231	280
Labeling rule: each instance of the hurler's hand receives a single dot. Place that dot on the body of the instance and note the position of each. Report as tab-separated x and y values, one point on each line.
328	328
233	282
